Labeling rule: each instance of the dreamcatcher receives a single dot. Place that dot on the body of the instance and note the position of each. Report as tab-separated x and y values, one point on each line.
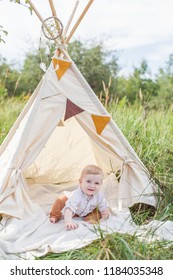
52	28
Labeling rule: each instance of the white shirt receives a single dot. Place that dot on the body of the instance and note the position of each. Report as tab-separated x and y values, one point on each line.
82	204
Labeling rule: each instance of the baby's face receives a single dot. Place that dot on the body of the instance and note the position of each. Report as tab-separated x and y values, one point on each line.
91	183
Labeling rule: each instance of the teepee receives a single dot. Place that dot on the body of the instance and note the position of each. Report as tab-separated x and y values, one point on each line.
62	128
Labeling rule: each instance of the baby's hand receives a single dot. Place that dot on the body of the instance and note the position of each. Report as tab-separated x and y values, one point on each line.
71	226
104	215
53	220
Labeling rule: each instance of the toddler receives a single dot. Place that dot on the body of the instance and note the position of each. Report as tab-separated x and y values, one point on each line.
87	201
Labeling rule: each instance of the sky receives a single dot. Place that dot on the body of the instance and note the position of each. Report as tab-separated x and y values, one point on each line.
137	29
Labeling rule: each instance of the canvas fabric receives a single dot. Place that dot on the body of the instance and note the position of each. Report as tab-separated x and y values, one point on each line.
46	147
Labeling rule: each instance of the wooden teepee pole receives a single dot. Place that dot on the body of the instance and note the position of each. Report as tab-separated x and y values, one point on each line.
78	21
55	15
40	17
70	18
52	8
35	10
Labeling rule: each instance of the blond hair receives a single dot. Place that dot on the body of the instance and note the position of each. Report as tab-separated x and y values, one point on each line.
91	169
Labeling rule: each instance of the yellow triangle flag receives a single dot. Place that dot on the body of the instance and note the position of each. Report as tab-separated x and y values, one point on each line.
100	122
60	66
61	123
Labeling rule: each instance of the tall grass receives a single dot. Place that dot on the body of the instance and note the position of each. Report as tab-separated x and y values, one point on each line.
151	136
10	109
152	139
117	247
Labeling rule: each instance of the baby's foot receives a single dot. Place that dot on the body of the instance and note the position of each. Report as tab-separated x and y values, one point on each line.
53	220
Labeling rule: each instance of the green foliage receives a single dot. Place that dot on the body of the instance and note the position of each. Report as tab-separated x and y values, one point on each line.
9	79
165	85
95	64
138	85
141	213
150	134
100	68
10	110
24	81
118	247
31	72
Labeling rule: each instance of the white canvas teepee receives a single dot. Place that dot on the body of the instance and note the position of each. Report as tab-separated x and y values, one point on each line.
63	128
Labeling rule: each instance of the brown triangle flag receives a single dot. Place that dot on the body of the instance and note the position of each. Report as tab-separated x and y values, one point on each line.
60	66
71	110
100	122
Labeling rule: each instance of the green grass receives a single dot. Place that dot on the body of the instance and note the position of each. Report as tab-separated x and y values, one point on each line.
9	111
151	136
117	247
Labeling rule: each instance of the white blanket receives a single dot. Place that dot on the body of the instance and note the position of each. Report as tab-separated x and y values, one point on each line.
36	236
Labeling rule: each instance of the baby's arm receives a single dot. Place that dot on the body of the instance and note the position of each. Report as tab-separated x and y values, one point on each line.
104	214
103	207
68	219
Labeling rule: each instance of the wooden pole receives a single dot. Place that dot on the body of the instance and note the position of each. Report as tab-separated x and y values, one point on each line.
71	18
55	15
78	21
36	11
52	8
40	17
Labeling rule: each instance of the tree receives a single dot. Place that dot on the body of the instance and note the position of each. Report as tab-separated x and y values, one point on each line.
31	72
8	78
95	64
165	85
25	80
139	82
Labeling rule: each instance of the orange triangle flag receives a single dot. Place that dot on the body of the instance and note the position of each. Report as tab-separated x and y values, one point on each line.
71	110
100	122
60	66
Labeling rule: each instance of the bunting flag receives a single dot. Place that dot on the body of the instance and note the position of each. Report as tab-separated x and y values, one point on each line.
100	122
61	123
60	66
71	110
